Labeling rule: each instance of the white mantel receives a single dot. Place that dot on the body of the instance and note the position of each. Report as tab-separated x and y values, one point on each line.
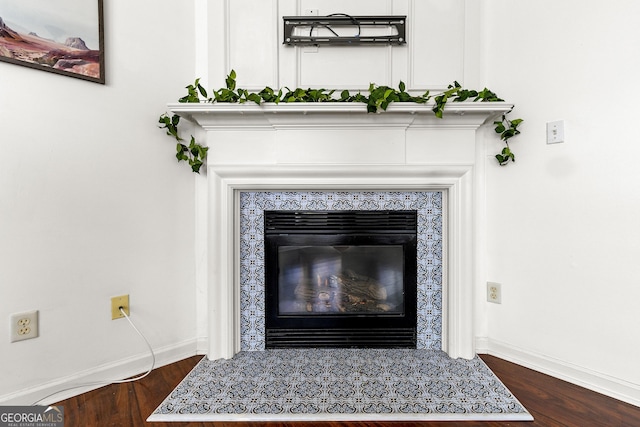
335	116
339	146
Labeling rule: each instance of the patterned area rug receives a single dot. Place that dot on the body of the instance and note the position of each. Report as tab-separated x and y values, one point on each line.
340	384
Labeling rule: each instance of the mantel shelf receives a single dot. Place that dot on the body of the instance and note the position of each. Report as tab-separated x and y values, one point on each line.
223	116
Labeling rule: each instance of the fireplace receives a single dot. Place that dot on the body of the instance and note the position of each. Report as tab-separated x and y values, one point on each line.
334	147
340	278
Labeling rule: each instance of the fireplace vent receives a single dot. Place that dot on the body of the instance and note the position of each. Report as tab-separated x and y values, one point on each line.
340	222
342	337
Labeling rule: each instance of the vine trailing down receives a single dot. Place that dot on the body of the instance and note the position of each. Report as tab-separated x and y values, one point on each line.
378	99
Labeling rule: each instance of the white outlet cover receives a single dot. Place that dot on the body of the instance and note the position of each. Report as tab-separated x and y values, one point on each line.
24	326
494	292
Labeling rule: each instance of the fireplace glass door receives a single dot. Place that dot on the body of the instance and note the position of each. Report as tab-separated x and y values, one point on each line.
331	280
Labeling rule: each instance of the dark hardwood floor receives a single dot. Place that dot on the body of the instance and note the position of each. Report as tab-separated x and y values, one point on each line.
552	402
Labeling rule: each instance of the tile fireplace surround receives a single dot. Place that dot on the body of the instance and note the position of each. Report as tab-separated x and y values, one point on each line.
428	206
340	147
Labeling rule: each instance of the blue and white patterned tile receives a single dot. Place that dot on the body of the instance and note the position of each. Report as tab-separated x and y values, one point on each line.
428	205
341	381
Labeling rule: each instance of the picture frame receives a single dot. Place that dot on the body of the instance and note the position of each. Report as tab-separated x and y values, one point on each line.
65	37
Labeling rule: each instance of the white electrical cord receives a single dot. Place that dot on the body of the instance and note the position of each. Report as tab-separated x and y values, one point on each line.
103	383
153	356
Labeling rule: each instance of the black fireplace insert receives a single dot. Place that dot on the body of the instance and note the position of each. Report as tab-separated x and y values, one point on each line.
340	279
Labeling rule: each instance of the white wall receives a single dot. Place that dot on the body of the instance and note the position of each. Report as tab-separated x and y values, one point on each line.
562	223
93	204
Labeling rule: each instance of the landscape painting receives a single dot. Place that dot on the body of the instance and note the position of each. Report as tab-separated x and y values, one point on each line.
61	36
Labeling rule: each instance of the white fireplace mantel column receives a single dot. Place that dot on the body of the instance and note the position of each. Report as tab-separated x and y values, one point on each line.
339	146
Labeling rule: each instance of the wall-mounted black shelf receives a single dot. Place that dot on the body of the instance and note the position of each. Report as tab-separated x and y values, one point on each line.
305	26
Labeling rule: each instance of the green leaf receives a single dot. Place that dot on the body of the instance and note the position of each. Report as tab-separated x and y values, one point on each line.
196	165
180	150
230	81
509	133
255	98
202	91
440	102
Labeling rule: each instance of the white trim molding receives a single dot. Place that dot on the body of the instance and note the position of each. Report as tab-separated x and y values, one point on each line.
229	180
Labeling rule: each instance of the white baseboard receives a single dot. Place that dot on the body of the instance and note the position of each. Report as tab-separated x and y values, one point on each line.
584	377
73	385
202	345
66	386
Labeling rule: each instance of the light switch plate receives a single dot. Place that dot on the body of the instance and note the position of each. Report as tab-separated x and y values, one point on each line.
555	132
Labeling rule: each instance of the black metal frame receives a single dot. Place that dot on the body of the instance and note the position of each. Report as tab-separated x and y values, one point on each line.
388	330
341	20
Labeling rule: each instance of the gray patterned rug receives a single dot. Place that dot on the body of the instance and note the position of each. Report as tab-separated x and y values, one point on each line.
340	384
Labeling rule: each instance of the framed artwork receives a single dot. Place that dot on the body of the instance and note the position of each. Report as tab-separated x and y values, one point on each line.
60	36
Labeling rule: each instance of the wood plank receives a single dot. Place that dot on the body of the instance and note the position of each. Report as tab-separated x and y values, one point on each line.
551	401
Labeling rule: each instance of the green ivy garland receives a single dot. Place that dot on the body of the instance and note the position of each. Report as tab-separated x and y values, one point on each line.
379	99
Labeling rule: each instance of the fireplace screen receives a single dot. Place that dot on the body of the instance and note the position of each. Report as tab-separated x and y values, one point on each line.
336	279
340	278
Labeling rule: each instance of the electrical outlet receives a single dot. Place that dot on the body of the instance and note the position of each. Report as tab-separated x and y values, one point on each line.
24	326
494	292
116	303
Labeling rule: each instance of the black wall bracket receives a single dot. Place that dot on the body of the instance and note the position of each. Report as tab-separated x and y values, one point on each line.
299	30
